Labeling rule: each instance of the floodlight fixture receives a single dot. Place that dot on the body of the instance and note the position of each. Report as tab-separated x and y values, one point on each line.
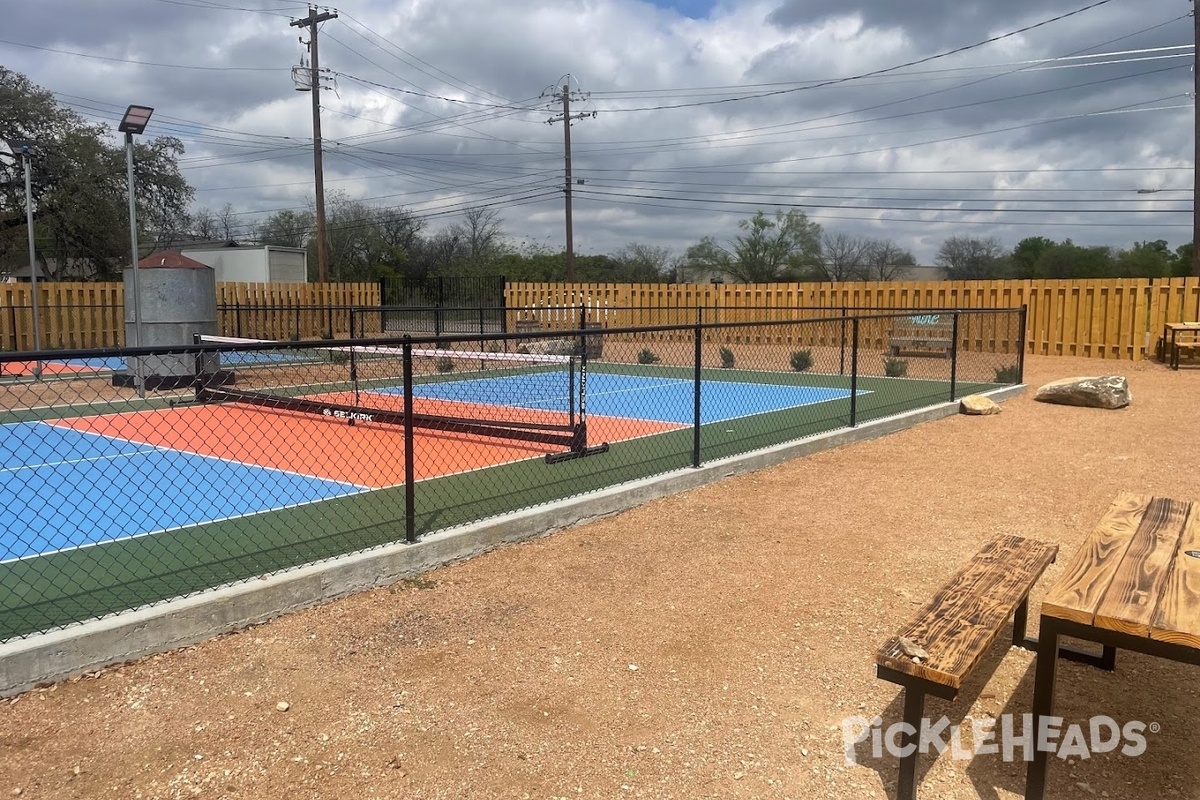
135	120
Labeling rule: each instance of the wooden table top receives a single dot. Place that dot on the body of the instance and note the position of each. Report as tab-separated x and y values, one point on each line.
1138	572
1182	326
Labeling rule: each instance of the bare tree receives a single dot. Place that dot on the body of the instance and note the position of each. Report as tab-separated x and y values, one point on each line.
226	221
887	261
967	258
844	257
644	262
204	225
480	234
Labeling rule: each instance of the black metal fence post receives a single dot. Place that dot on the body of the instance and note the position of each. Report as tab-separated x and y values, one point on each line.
699	332
854	372
410	494
842	366
953	356
1024	321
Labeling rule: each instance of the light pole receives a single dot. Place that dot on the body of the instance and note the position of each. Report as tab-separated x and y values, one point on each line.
134	121
19	150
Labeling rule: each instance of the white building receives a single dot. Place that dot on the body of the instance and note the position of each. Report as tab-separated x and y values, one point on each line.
265	264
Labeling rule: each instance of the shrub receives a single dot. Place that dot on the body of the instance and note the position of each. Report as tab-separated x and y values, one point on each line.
444	365
647	356
1009	374
895	367
802	360
726	358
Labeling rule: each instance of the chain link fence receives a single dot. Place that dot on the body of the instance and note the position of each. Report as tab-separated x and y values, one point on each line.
129	477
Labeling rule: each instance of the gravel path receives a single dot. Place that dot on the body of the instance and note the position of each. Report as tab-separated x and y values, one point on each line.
704	645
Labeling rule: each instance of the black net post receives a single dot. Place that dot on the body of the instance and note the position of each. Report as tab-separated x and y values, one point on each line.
953	356
353	363
237	319
410	493
696	398
854	372
1023	331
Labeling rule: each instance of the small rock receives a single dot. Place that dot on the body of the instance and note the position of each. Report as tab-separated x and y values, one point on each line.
282	706
979	406
17	792
633	667
912	649
737	776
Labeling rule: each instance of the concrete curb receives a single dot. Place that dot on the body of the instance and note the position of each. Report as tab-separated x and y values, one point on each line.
53	656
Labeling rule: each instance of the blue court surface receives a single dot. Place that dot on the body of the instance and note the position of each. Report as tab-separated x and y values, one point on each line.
40	461
632	396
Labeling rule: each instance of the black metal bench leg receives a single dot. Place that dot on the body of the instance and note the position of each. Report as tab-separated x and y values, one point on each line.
914	708
1020	621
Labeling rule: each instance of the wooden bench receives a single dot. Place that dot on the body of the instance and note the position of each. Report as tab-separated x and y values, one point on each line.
944	643
922	335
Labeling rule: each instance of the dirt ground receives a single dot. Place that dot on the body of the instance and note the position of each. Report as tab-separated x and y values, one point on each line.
705	645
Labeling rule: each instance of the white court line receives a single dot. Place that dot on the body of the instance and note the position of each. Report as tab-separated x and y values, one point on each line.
209	457
185	526
71	461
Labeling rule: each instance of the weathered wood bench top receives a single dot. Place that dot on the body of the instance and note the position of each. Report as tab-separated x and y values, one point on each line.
962	620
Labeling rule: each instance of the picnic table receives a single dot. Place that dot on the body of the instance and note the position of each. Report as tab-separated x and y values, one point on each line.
1133	584
1171	344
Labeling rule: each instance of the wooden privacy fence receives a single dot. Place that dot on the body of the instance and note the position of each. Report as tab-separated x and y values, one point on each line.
291	310
86	315
1112	318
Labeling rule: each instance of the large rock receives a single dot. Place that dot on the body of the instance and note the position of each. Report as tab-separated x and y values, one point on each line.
549	347
978	405
1107	391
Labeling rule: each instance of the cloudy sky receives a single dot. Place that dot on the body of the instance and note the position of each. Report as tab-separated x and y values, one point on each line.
911	121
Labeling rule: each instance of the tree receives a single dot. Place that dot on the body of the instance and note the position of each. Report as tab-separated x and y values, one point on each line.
282	229
887	261
80	193
968	259
844	257
1026	254
1145	260
1068	260
769	250
482	235
644	263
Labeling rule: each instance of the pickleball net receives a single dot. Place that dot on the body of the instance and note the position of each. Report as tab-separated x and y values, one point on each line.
496	395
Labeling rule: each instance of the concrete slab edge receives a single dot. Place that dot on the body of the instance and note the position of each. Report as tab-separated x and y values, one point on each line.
56	655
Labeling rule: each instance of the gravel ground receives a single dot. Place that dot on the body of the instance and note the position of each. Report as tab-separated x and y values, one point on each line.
705	645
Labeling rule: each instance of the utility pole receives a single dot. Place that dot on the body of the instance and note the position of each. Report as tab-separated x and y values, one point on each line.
565	96
311	22
1196	144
